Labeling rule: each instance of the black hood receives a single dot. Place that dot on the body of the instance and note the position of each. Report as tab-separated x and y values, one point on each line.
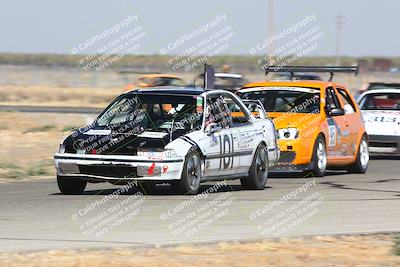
111	141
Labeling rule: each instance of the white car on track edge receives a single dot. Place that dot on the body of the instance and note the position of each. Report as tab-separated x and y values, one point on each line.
381	113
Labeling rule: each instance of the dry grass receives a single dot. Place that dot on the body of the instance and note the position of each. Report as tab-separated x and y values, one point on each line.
29	141
56	96
372	250
100	97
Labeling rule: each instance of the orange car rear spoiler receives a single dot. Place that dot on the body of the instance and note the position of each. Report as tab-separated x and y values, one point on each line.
327	69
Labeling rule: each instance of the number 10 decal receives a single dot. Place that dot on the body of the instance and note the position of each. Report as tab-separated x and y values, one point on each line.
227	142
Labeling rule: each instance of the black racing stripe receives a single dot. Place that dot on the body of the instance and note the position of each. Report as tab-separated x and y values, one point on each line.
241	153
119	160
190	141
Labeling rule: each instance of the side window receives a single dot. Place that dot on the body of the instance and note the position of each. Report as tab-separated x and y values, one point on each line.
218	112
332	100
238	114
349	106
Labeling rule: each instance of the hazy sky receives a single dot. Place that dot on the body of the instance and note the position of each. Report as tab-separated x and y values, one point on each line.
370	27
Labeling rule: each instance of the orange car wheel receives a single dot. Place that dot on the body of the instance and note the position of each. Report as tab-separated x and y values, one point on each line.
319	158
362	160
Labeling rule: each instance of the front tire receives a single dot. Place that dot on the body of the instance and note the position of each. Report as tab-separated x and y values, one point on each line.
191	175
71	185
362	160
258	173
319	159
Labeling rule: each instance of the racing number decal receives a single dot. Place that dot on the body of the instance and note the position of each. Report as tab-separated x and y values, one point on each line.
227	142
332	132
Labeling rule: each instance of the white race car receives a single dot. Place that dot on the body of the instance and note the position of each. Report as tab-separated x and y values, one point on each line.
381	113
181	136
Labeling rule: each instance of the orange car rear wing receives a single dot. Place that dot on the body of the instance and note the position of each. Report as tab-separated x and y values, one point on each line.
327	69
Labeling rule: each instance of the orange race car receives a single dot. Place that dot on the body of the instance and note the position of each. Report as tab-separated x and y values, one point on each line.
154	80
319	124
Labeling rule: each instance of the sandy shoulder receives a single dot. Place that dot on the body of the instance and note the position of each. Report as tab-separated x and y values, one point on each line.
368	250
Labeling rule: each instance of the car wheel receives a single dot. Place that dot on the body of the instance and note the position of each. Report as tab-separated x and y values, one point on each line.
319	159
258	173
191	175
71	185
362	160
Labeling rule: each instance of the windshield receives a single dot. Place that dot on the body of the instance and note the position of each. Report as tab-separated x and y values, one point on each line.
294	100
380	101
153	112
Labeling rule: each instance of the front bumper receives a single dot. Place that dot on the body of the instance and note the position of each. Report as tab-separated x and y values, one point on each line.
115	167
384	144
286	163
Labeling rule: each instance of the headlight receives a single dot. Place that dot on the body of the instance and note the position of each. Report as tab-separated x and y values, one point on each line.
157	154
288	133
61	148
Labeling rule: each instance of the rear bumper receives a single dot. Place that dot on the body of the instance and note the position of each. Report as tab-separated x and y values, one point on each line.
384	144
115	167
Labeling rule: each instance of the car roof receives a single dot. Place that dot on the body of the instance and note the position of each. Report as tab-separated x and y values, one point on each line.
381	91
169	90
302	83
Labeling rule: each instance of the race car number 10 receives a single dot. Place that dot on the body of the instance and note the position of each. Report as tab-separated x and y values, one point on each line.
226	151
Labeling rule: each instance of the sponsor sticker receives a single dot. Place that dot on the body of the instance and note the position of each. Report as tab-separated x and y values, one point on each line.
199	104
332	132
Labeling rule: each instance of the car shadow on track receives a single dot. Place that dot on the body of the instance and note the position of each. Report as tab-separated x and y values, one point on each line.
165	190
384	157
296	175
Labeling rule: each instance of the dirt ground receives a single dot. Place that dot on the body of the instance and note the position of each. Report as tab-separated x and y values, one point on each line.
29	141
57	96
367	250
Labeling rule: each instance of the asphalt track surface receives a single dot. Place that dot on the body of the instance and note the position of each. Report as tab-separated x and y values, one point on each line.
34	215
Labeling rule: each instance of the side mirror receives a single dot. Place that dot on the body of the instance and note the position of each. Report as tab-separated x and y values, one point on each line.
213	128
337	112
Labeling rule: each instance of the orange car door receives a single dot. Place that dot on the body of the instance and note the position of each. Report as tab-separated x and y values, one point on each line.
352	119
338	138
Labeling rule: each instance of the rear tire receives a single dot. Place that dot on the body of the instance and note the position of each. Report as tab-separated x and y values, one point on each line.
319	159
71	185
362	160
191	175
258	173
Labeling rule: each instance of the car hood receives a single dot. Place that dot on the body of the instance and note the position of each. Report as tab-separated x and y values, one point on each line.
105	141
382	122
295	120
